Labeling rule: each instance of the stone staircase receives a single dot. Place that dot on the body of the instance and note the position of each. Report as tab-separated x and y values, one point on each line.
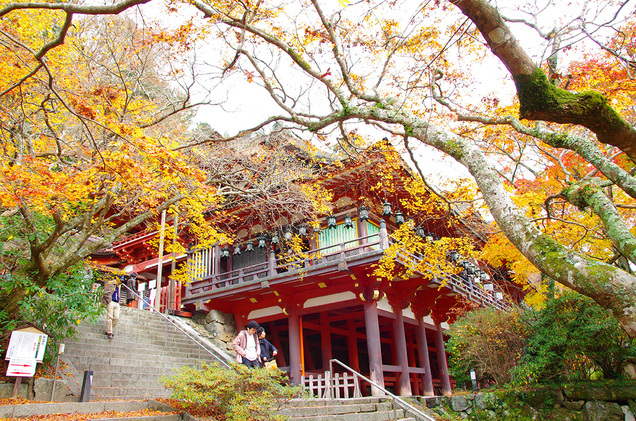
357	409
145	347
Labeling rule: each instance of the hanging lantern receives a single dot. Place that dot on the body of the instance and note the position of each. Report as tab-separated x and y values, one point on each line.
363	213
331	221
275	239
420	232
237	250
262	242
453	255
484	276
399	217
348	222
225	252
302	230
288	234
470	269
477	277
386	209
249	247
430	237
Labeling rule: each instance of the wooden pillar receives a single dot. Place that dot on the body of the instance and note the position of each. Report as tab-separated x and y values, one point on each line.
363	231
325	340
373	345
425	360
404	385
280	357
441	359
352	346
294	344
239	320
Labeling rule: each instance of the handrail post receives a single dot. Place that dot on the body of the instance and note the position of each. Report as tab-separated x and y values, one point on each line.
384	236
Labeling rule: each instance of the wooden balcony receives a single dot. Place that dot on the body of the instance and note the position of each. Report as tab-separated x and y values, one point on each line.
314	265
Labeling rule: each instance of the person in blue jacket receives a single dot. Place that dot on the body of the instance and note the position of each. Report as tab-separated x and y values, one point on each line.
268	351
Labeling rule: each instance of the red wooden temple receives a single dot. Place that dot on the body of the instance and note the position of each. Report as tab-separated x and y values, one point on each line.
325	302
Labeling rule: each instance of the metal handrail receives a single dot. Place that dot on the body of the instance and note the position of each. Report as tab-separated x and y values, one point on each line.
396	399
178	327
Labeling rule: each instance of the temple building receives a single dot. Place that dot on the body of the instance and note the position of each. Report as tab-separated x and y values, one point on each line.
315	281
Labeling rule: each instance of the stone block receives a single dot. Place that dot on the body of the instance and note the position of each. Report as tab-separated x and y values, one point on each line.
574	405
629	416
587	393
486	401
6	390
459	403
602	411
42	388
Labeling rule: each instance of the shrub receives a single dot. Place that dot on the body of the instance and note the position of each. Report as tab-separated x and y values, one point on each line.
487	340
573	338
241	393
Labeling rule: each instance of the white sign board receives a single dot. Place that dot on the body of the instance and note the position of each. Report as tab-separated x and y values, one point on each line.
21	367
26	345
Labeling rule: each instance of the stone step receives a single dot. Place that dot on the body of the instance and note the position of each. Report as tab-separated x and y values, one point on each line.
130	365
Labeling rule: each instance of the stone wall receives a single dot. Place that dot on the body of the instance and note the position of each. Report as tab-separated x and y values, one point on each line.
220	325
569	403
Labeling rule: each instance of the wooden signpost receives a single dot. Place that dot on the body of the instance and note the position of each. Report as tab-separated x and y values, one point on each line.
26	348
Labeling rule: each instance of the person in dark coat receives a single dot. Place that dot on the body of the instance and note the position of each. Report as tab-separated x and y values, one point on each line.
268	351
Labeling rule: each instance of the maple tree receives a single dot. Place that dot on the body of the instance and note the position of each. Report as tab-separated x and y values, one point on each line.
93	127
554	166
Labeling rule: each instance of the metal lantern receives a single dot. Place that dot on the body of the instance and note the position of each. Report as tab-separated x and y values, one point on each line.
262	242
453	255
470	269
302	230
331	221
477	277
484	276
288	234
275	239
399	217
237	250
420	232
249	247
225	252
386	209
430	237
348	222
363	213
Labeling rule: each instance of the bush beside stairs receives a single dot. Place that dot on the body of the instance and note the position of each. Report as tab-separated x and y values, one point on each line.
129	366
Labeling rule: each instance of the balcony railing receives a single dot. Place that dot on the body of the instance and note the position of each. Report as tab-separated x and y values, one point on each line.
334	254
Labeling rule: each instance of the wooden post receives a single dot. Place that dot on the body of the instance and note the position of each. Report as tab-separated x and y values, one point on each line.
423	356
352	345
294	344
441	359
160	267
400	351
325	340
374	347
384	236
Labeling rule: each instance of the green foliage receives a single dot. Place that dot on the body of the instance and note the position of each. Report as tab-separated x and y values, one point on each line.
57	308
241	393
573	338
489	341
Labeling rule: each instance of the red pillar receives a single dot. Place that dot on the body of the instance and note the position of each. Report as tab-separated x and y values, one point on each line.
294	344
352	345
373	345
404	386
325	340
441	359
425	361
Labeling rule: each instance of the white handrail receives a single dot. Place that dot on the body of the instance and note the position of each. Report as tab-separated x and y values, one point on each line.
178	328
396	399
